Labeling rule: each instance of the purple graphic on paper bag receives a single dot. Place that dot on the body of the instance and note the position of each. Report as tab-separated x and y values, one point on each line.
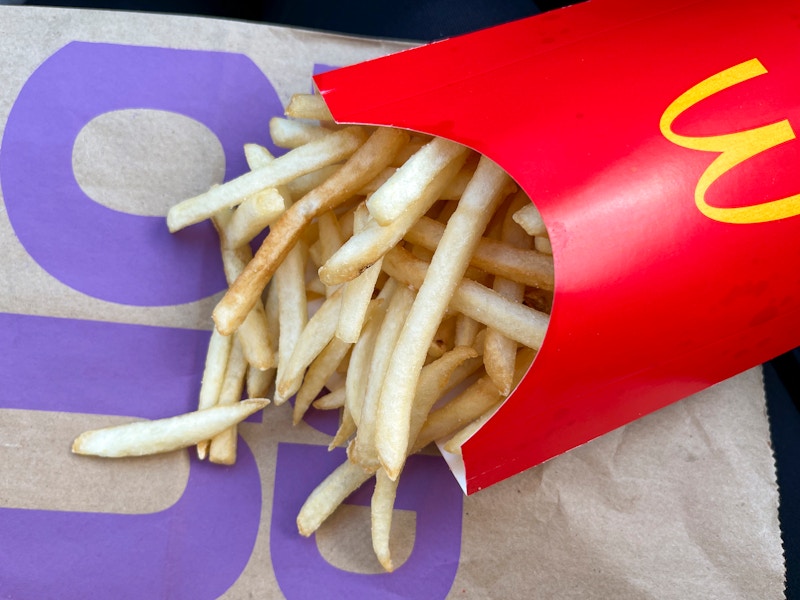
195	549
101	252
426	487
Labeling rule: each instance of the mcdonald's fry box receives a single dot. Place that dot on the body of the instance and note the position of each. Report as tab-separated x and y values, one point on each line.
657	140
649	138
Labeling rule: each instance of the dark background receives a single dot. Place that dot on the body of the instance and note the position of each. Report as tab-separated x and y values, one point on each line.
436	19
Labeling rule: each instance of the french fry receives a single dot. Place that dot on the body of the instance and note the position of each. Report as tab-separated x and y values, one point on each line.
392	199
222	449
366	162
329	494
381	509
480	397
305	159
357	292
290	133
500	351
252	333
219	349
308	106
493	256
361	250
254	215
330	401
483	194
142	438
320	369
363	449
313	338
529	218
543	245
517	321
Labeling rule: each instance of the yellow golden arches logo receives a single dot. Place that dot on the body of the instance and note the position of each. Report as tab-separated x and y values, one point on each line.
734	148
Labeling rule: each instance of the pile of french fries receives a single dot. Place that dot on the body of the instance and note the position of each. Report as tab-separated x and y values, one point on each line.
405	281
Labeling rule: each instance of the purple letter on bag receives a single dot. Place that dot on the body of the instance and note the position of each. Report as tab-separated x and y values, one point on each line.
101	252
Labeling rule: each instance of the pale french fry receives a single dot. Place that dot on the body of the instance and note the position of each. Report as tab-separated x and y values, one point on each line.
252	333
543	245
320	369
466	329
381	509
517	321
305	159
374	241
499	350
363	449
330	240
300	186
289	281
463	231
363	165
289	133
529	218
473	402
219	348
142	438
453	445
258	382
363	351
392	198
347	427
523	265
330	401
357	293
314	337
257	156
435	380
308	106
222	449
329	494
253	215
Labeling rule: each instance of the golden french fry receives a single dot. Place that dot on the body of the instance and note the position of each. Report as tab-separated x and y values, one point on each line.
392	198
142	438
329	494
305	159
363	165
308	106
463	231
289	133
466	330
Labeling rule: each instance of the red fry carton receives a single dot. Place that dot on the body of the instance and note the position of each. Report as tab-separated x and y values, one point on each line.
657	140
